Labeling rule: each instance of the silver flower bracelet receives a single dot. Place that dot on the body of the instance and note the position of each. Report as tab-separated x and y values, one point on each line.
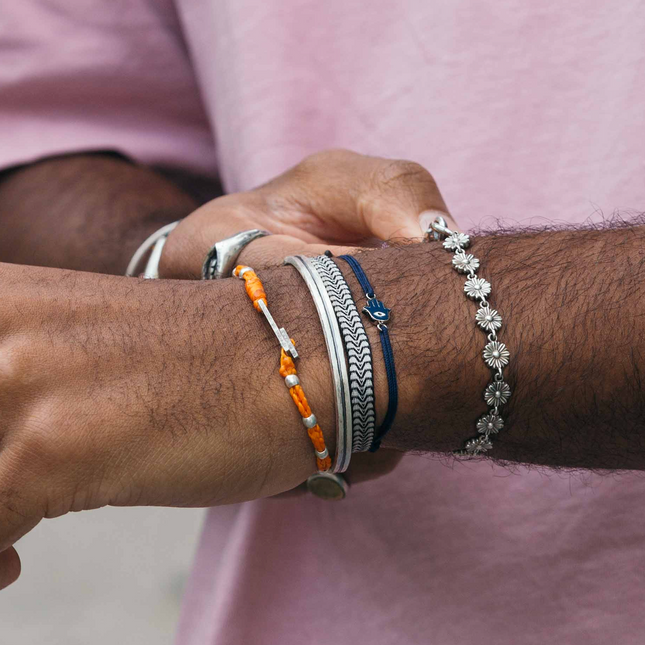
496	356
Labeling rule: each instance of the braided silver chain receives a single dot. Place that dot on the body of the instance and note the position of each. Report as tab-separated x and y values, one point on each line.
495	354
359	355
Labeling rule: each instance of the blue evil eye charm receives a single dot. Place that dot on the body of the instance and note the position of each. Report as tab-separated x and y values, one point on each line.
377	311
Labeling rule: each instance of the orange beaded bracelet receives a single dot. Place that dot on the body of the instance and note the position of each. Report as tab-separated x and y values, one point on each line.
255	291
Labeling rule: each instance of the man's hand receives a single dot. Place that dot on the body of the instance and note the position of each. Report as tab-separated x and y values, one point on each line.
331	198
130	392
104	205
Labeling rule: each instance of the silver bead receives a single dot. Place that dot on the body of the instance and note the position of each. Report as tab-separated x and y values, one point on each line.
243	271
322	455
291	381
310	421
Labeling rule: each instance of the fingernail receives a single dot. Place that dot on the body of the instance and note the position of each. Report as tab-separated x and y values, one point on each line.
427	217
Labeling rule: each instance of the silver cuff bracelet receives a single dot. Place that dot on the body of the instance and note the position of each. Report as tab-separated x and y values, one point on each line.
156	242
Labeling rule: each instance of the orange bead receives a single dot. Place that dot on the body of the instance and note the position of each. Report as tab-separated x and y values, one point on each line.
287	367
253	284
255	291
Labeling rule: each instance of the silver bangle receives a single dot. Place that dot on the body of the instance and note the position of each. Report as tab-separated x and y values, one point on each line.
155	242
336	352
359	354
151	272
221	259
496	355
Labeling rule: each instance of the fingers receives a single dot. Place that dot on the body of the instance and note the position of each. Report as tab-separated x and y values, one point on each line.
186	247
271	251
336	196
367	196
9	567
183	260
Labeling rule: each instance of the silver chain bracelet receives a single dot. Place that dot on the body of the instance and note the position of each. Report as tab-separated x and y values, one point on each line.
495	354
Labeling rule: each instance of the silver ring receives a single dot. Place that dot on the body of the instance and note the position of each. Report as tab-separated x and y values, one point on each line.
438	228
221	258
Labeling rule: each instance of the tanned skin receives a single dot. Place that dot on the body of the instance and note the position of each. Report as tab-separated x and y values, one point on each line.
129	392
87	212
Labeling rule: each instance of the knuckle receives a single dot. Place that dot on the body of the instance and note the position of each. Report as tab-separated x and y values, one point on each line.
400	174
31	447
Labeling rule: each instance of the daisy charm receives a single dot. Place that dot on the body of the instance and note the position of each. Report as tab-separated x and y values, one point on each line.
495	354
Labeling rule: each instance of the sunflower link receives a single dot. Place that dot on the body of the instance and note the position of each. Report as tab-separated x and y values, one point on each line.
495	354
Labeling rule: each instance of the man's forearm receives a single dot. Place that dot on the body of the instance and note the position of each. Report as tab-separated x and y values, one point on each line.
87	211
573	304
122	391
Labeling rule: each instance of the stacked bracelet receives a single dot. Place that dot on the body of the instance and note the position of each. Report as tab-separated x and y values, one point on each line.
359	355
495	354
255	291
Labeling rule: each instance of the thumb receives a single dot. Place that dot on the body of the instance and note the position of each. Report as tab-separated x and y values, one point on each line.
364	196
397	197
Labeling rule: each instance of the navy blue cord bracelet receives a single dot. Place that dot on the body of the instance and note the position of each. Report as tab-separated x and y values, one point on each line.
380	314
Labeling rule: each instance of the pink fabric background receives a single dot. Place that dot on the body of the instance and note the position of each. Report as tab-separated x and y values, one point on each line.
527	111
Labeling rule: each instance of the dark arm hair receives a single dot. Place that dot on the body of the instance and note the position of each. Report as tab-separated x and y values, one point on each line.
86	211
572	299
573	304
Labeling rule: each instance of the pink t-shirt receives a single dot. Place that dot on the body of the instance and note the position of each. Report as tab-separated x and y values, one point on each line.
530	111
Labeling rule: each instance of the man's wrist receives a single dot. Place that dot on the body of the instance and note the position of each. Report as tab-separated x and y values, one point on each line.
438	361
